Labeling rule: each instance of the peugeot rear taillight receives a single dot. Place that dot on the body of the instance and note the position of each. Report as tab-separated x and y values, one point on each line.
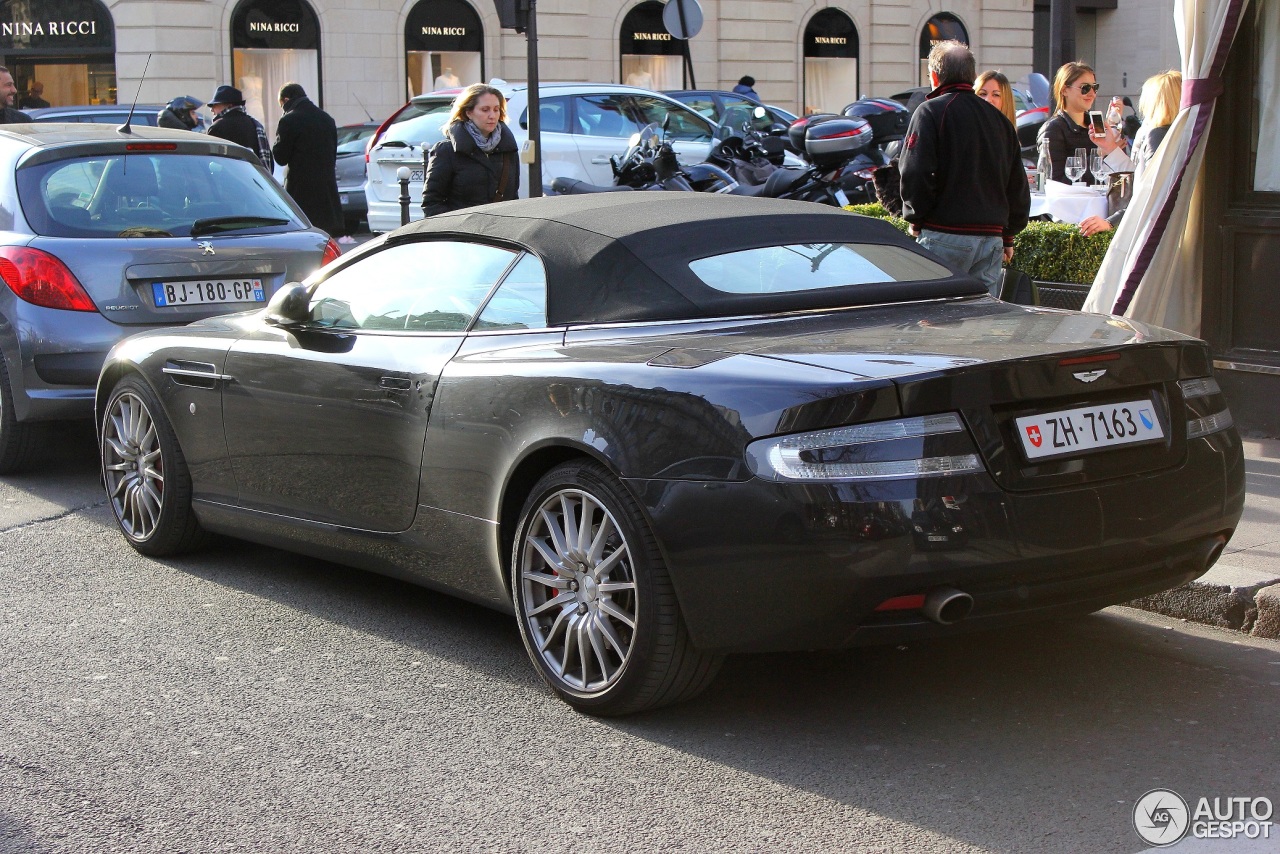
331	251
41	279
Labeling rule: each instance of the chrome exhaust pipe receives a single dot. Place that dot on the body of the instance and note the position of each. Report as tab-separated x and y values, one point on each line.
946	605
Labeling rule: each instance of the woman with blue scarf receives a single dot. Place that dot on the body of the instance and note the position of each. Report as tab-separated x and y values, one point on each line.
476	163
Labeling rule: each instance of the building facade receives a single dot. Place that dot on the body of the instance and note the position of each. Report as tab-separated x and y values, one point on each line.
362	58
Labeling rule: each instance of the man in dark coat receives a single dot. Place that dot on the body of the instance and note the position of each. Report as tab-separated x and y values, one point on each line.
232	123
964	189
34	99
307	142
8	95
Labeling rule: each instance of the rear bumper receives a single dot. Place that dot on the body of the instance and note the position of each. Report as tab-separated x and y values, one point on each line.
53	358
760	566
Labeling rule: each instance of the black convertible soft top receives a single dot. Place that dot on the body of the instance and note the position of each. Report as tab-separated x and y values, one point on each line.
625	256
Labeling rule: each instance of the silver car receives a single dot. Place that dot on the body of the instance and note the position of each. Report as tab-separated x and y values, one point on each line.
103	234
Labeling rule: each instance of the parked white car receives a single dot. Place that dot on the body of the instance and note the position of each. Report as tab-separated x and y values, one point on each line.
582	125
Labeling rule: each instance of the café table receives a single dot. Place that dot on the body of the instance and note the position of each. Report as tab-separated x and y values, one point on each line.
1067	203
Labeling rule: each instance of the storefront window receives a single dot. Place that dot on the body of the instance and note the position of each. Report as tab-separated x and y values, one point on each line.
65	46
274	42
940	27
651	57
830	62
444	46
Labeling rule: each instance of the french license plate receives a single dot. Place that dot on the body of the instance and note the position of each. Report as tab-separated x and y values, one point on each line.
207	292
841	198
415	173
1088	428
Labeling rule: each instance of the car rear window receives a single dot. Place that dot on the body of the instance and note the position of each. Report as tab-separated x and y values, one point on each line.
424	129
813	266
147	195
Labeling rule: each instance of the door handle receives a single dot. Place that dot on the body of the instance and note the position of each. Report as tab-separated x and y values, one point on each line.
600	160
395	383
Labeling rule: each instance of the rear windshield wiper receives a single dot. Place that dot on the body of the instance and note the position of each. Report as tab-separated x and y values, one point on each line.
215	224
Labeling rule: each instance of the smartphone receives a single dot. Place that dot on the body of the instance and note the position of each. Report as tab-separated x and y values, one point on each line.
1097	123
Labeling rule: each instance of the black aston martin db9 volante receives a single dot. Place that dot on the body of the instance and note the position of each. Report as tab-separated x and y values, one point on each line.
660	427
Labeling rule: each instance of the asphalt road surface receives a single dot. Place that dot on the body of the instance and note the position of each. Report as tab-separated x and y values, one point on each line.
245	699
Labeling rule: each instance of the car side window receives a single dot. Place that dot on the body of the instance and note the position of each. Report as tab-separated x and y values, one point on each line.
425	286
603	115
553	115
704	105
685	123
520	302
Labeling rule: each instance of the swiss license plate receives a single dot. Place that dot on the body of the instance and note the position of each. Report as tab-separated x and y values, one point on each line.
207	292
1088	428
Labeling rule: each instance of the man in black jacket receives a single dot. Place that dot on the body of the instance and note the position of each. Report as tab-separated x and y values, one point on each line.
232	123
307	142
964	188
9	94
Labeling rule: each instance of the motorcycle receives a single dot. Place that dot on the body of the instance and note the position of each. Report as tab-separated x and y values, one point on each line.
831	146
650	163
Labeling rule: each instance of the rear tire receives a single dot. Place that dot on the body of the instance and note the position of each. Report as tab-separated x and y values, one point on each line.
595	604
146	476
19	441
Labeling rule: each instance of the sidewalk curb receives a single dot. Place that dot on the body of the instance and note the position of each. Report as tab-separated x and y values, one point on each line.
1226	596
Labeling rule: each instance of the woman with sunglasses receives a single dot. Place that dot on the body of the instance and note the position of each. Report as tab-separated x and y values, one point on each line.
1075	89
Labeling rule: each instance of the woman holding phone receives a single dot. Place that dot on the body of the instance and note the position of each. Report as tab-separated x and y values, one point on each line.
1078	125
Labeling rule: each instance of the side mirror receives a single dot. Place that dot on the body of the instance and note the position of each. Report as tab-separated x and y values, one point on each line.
289	306
723	132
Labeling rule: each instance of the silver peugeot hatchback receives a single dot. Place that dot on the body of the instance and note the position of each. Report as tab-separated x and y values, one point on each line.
106	232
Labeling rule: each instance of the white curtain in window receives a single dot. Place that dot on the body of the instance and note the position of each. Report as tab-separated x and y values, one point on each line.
656	73
1266	176
1152	270
830	84
265	71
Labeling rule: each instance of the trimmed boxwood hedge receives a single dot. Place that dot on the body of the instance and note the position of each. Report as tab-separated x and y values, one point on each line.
1045	251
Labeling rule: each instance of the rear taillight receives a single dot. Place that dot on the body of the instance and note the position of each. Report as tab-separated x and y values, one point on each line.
331	251
1207	411
926	446
41	279
377	134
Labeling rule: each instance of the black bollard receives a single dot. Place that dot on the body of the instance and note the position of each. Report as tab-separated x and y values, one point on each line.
403	174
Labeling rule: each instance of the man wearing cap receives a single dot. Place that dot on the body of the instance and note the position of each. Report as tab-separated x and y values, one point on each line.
232	123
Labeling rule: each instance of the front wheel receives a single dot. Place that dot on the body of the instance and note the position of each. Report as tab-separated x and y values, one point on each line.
145	473
596	608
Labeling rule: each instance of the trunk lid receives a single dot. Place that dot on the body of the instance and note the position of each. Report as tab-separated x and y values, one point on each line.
120	274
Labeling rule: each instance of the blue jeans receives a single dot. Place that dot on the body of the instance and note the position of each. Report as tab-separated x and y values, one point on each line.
980	257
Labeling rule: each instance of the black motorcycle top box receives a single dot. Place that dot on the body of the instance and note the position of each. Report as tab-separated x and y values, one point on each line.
834	141
888	119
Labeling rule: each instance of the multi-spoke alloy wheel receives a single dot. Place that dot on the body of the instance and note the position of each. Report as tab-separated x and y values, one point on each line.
133	466
145	473
596	608
579	590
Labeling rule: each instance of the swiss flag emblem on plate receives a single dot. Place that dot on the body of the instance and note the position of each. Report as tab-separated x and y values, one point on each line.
1033	434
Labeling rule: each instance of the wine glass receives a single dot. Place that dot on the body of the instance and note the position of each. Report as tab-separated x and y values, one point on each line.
1098	166
1075	170
1083	154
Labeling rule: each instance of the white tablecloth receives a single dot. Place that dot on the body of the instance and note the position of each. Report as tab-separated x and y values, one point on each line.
1069	204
